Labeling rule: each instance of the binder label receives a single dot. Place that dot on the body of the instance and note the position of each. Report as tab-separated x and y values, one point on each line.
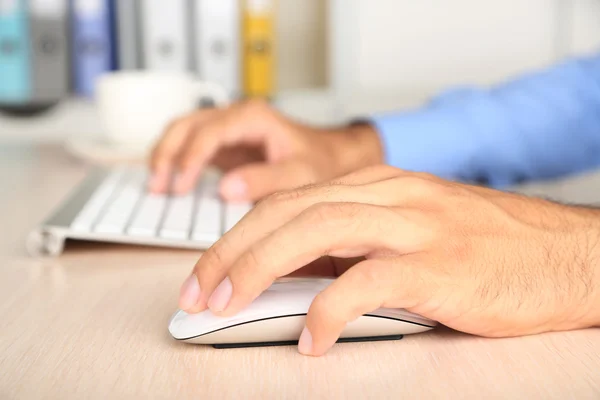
260	6
8	6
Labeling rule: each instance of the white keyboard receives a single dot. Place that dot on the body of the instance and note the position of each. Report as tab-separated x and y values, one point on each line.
115	206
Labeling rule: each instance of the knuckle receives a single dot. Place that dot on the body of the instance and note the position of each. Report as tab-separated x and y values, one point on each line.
269	203
368	276
178	126
177	123
328	306
162	149
323	307
311	200
253	258
372	170
281	199
312	192
321	213
286	196
185	161
255	105
215	254
250	270
382	169
334	214
157	158
423	187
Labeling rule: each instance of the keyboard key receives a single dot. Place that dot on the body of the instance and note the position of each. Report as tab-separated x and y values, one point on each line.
119	211
178	219
209	208
89	213
234	212
148	215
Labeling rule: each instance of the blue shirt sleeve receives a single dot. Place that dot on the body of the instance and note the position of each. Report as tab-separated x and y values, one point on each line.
539	126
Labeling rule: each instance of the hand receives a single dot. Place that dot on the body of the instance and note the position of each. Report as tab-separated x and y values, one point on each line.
261	151
477	260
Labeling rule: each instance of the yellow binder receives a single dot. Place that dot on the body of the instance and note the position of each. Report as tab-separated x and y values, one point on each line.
259	48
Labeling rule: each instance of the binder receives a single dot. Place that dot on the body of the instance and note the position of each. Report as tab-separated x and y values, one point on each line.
49	52
128	34
15	82
92	43
217	43
166	30
259	48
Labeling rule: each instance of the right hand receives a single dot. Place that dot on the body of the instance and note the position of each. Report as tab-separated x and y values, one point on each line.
477	260
260	151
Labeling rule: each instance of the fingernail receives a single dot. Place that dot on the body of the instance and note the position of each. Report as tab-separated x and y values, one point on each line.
220	298
190	293
305	342
234	187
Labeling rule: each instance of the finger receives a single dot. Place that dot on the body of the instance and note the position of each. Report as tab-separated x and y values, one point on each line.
364	288
257	180
270	215
196	155
167	149
238	125
280	208
164	153
256	225
368	175
322	230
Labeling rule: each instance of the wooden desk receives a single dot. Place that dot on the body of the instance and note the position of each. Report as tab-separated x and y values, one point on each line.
93	324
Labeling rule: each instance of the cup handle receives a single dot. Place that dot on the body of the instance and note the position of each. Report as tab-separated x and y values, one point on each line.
217	93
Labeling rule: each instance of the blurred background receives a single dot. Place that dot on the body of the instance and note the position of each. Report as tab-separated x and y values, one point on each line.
321	61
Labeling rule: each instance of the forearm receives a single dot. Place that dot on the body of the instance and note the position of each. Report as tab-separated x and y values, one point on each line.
543	125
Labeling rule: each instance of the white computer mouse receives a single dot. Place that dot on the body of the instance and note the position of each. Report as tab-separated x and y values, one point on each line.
277	317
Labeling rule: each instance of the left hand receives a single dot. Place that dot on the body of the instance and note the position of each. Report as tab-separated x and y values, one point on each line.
480	261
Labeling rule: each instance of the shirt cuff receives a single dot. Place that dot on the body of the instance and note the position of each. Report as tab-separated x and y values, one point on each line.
434	139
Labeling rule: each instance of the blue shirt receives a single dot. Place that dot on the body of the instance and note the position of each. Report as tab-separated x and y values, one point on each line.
539	126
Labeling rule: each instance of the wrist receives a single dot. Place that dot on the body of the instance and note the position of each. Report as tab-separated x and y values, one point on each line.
584	271
593	262
355	147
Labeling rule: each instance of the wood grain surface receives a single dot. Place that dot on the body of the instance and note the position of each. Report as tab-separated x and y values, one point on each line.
92	324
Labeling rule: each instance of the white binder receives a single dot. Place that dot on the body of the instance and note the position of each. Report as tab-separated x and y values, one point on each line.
165	35
128	29
49	51
216	33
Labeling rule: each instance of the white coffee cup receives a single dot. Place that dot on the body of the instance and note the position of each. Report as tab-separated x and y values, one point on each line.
136	107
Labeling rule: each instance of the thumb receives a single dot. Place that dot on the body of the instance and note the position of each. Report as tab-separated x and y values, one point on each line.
364	288
252	182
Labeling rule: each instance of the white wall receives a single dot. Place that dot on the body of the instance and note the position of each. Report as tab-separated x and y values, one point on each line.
301	30
585	33
426	45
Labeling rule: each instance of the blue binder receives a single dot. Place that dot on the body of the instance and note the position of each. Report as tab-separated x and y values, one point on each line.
93	44
15	82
